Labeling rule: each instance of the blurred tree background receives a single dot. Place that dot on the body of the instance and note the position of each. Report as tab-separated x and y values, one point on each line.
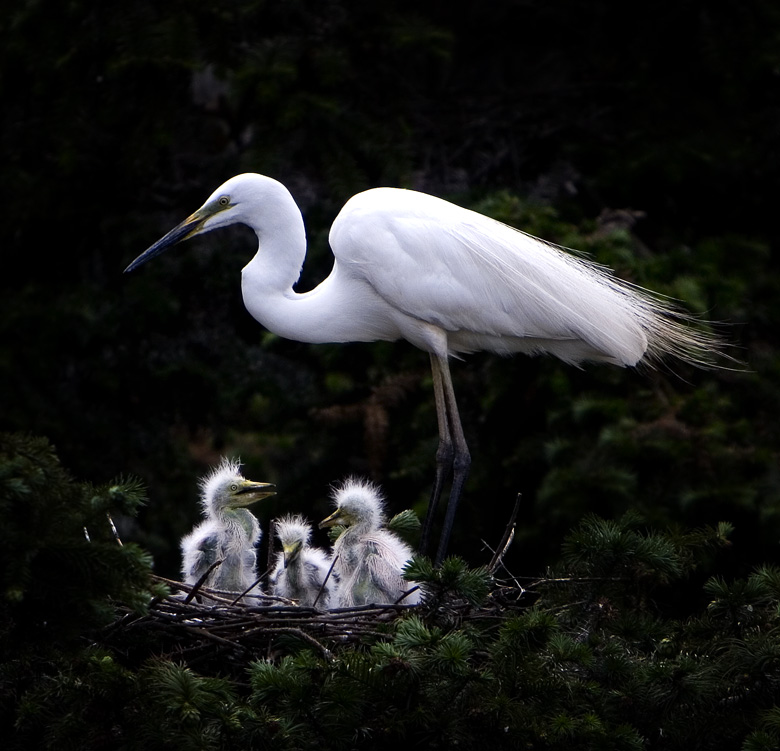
647	136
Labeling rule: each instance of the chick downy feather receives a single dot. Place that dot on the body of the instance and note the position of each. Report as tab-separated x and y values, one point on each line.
227	534
369	558
300	576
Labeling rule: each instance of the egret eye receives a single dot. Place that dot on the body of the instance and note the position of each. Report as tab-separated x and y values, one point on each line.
224	201
234	487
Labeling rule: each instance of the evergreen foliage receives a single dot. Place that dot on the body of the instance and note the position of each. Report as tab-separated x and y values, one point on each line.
452	580
599	653
60	561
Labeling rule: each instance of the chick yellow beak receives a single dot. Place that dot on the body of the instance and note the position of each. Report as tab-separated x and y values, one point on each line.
250	492
291	552
337	517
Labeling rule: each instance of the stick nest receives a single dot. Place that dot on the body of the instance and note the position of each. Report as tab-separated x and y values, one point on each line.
217	632
220	632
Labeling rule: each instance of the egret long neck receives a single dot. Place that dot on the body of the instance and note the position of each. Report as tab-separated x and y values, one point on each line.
295	573
242	525
340	309
281	251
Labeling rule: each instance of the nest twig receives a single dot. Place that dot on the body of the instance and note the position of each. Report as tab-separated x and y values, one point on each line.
217	627
220	636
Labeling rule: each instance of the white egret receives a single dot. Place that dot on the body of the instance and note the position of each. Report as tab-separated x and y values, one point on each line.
230	532
301	570
369	559
449	281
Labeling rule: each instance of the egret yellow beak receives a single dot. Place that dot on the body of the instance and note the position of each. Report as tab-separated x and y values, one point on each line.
250	492
291	552
191	226
337	517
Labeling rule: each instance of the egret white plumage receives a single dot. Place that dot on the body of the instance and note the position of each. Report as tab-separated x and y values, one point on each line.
230	532
449	281
301	569
368	558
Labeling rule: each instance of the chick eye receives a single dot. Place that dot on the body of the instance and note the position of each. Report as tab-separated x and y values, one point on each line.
234	487
224	200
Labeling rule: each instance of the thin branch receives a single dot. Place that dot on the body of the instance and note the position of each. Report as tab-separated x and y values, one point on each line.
326	653
406	594
251	587
574	579
325	580
206	634
199	583
113	529
506	540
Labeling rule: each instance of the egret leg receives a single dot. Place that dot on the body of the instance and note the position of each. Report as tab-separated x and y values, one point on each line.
461	460
452	456
444	455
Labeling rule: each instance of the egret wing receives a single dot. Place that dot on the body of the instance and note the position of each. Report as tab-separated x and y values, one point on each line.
464	272
384	562
200	550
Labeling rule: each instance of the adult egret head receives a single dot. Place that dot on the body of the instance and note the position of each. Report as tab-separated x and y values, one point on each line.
448	280
223	208
368	558
229	532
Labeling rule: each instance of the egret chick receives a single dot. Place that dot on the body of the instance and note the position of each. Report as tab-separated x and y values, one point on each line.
230	532
369	558
301	569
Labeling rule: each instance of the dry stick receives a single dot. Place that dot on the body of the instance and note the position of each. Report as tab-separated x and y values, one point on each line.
369	609
128	618
199	583
222	597
179	585
406	594
236	635
253	627
182	608
286	605
569	579
113	529
506	540
174	617
302	635
213	637
251	587
233	625
325	581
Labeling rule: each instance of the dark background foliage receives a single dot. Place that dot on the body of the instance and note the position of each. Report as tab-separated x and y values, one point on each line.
644	135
